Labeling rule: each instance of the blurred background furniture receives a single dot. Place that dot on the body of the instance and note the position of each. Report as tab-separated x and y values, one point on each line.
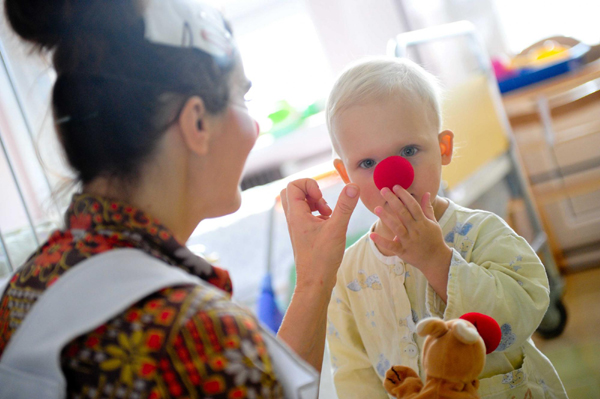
557	130
486	172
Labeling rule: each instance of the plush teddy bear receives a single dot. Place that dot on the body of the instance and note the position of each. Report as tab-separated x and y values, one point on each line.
453	356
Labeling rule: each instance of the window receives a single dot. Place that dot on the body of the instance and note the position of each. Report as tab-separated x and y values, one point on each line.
291	76
526	22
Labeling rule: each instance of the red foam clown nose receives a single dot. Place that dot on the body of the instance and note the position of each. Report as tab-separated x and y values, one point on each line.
488	329
393	171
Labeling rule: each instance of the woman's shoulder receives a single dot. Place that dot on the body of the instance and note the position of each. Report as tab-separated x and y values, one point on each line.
179	337
207	299
202	312
175	306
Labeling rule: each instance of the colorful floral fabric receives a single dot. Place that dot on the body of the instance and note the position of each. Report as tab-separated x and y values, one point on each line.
180	342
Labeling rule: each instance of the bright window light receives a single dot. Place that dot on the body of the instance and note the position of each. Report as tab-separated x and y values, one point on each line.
526	22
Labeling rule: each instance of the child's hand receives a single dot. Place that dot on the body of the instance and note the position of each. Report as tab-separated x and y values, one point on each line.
418	236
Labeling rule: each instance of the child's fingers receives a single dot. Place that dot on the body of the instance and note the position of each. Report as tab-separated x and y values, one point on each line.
410	202
391	221
397	206
385	244
427	207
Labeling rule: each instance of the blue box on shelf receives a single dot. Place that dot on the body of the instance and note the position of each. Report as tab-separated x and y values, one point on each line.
528	76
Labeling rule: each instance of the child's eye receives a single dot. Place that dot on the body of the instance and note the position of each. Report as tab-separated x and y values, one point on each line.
409	151
367	163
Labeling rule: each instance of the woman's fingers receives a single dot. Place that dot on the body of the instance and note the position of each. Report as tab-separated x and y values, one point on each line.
323	207
345	205
318	240
284	202
306	192
305	196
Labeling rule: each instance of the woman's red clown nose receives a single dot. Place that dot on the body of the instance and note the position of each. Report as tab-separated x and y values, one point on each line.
394	171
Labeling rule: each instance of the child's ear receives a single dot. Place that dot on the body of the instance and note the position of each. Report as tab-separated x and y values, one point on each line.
446	140
341	169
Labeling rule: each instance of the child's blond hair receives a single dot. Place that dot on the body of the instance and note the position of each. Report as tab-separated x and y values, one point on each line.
379	78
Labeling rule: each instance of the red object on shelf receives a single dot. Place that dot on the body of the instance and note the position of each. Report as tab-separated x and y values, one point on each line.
488	329
392	171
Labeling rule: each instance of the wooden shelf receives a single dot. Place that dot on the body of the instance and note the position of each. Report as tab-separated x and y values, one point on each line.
556	125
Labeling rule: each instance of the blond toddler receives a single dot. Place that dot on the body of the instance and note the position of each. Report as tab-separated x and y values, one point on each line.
425	256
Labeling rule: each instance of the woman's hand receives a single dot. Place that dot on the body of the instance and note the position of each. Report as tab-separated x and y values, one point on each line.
319	241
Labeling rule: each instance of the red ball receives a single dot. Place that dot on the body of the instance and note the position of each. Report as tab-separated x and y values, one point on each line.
488	329
393	171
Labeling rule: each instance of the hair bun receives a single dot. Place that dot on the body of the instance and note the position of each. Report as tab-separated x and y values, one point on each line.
39	21
46	22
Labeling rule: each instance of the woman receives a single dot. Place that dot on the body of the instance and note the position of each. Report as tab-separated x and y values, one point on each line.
149	108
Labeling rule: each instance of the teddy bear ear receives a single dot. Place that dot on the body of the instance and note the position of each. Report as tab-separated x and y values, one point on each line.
465	332
432	326
488	329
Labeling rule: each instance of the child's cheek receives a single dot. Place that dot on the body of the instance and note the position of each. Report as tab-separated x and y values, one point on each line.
375	200
371	199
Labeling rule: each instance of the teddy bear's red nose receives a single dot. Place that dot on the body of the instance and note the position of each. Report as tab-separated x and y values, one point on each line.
488	329
393	171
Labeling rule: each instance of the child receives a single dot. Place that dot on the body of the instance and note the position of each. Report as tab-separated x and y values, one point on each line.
425	256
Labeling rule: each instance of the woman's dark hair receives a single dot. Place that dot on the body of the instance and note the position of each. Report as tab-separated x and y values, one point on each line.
115	93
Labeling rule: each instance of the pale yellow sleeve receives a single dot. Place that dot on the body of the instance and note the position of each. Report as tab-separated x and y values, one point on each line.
353	374
504	279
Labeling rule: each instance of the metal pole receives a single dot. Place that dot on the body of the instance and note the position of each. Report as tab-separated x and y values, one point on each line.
11	80
545	114
270	235
19	191
403	13
5	249
408	26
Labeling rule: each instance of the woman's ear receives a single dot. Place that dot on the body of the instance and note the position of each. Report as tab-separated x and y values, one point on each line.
446	140
341	169
193	127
